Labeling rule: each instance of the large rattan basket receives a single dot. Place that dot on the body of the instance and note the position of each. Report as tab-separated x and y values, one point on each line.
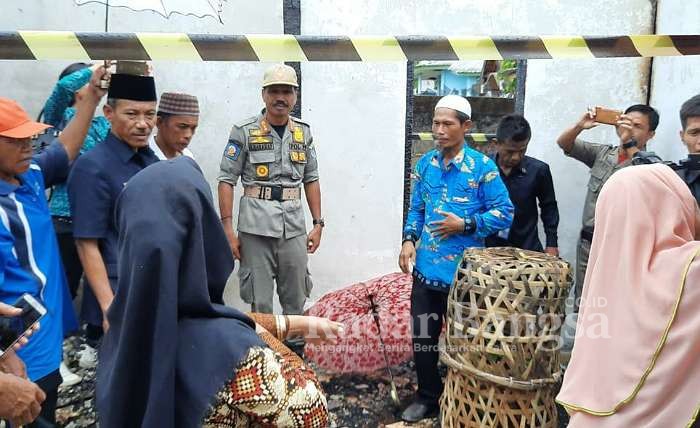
504	316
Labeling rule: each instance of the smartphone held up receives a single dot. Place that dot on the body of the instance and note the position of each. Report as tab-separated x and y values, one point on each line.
12	329
606	115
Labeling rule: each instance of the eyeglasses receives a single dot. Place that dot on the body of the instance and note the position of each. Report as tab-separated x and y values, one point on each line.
17	142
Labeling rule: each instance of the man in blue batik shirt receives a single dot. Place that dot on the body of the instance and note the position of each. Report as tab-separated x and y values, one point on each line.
458	200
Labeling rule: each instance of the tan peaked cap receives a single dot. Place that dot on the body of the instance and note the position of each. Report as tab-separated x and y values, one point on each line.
280	74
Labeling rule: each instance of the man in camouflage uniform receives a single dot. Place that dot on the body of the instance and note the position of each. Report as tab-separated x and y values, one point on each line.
273	154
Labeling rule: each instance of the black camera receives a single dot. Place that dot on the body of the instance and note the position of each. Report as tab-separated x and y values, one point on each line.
646	158
691	163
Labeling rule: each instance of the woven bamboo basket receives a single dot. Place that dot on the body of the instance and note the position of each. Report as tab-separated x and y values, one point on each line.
470	402
504	316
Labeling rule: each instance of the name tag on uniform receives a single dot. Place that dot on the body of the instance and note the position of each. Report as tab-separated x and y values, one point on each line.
256	144
297	147
260	147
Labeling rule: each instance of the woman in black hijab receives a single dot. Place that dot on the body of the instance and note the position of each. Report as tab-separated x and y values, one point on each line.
175	355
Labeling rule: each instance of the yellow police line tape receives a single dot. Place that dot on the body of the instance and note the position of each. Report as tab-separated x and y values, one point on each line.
68	45
473	137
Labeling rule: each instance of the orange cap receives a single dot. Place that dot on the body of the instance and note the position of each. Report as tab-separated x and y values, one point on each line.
15	122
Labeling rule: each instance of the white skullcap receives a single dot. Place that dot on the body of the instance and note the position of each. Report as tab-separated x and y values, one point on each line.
455	102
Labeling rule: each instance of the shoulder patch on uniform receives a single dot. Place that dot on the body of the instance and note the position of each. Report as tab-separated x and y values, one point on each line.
245	122
233	150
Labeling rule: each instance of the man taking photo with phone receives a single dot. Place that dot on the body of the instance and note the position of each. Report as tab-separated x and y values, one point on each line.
635	127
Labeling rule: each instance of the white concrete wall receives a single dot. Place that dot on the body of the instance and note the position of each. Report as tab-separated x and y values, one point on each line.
357	109
675	79
357	112
557	93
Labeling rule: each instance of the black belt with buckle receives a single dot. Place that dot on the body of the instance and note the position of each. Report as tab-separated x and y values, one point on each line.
275	192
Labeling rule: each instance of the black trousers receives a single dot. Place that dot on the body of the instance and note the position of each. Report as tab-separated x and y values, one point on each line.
428	309
49	384
69	253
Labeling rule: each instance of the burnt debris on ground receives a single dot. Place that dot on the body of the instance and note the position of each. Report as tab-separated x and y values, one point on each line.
353	400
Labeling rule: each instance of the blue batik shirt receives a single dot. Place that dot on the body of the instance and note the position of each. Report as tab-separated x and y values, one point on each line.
58	113
468	186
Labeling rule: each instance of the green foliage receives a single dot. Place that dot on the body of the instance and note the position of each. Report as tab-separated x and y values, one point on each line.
506	76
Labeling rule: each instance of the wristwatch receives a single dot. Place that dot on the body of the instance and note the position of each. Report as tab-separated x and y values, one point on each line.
409	237
630	143
469	225
319	221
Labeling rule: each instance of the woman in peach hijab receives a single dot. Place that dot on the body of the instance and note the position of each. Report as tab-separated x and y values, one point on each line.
636	359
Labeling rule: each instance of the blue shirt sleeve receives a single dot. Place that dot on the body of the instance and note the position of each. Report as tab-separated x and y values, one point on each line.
498	209
90	201
54	164
416	212
62	95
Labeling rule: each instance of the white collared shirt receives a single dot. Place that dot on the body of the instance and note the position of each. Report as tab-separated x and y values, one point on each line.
154	146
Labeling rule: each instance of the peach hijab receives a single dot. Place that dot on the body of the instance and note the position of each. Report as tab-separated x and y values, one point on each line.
636	358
